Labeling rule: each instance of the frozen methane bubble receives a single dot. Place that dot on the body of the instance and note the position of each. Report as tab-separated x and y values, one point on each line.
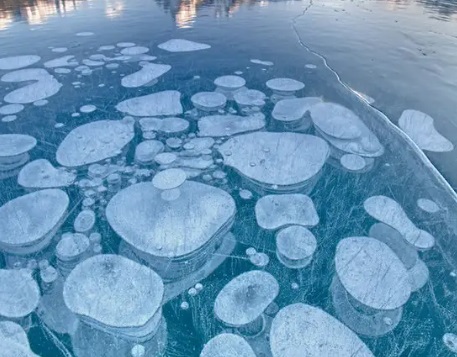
147	150
390	212
168	126
11	109
229	83
12	145
372	273
85	221
148	74
44	85
276	211
450	341
295	246
134	51
353	162
17	62
89	108
419	127
59	49
245	298
418	275
100	288
180	45
345	130
85	34
63	61
393	239
169	179
20	294
188	226
165	158
70	248
427	205
280	162
22	222
125	44
155	104
11	348
13	331
227	345
263	63
284	86
94	142
41	173
304	330
228	125
293	110
250	97
208	101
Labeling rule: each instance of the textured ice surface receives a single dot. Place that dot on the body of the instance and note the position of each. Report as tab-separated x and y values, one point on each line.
282	159
372	273
148	73
228	125
304	330
19	293
180	45
275	211
93	142
245	297
175	228
390	212
16	62
114	291
21	219
227	345
41	173
419	127
156	104
289	110
15	144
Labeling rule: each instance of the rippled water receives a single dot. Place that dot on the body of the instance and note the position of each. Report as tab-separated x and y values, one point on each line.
239	223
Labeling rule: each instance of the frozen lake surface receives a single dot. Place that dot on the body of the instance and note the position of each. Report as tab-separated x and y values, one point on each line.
270	179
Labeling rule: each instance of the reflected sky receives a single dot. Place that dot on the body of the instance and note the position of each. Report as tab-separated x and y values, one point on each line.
184	12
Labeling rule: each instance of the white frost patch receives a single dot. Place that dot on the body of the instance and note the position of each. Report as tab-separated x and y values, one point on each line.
419	127
59	49
64	61
227	125
89	108
263	63
42	174
276	211
427	205
134	51
156	104
390	212
16	62
179	45
94	142
11	109
84	34
149	73
304	330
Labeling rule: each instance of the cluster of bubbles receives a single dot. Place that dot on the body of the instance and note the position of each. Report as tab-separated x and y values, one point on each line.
165	184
